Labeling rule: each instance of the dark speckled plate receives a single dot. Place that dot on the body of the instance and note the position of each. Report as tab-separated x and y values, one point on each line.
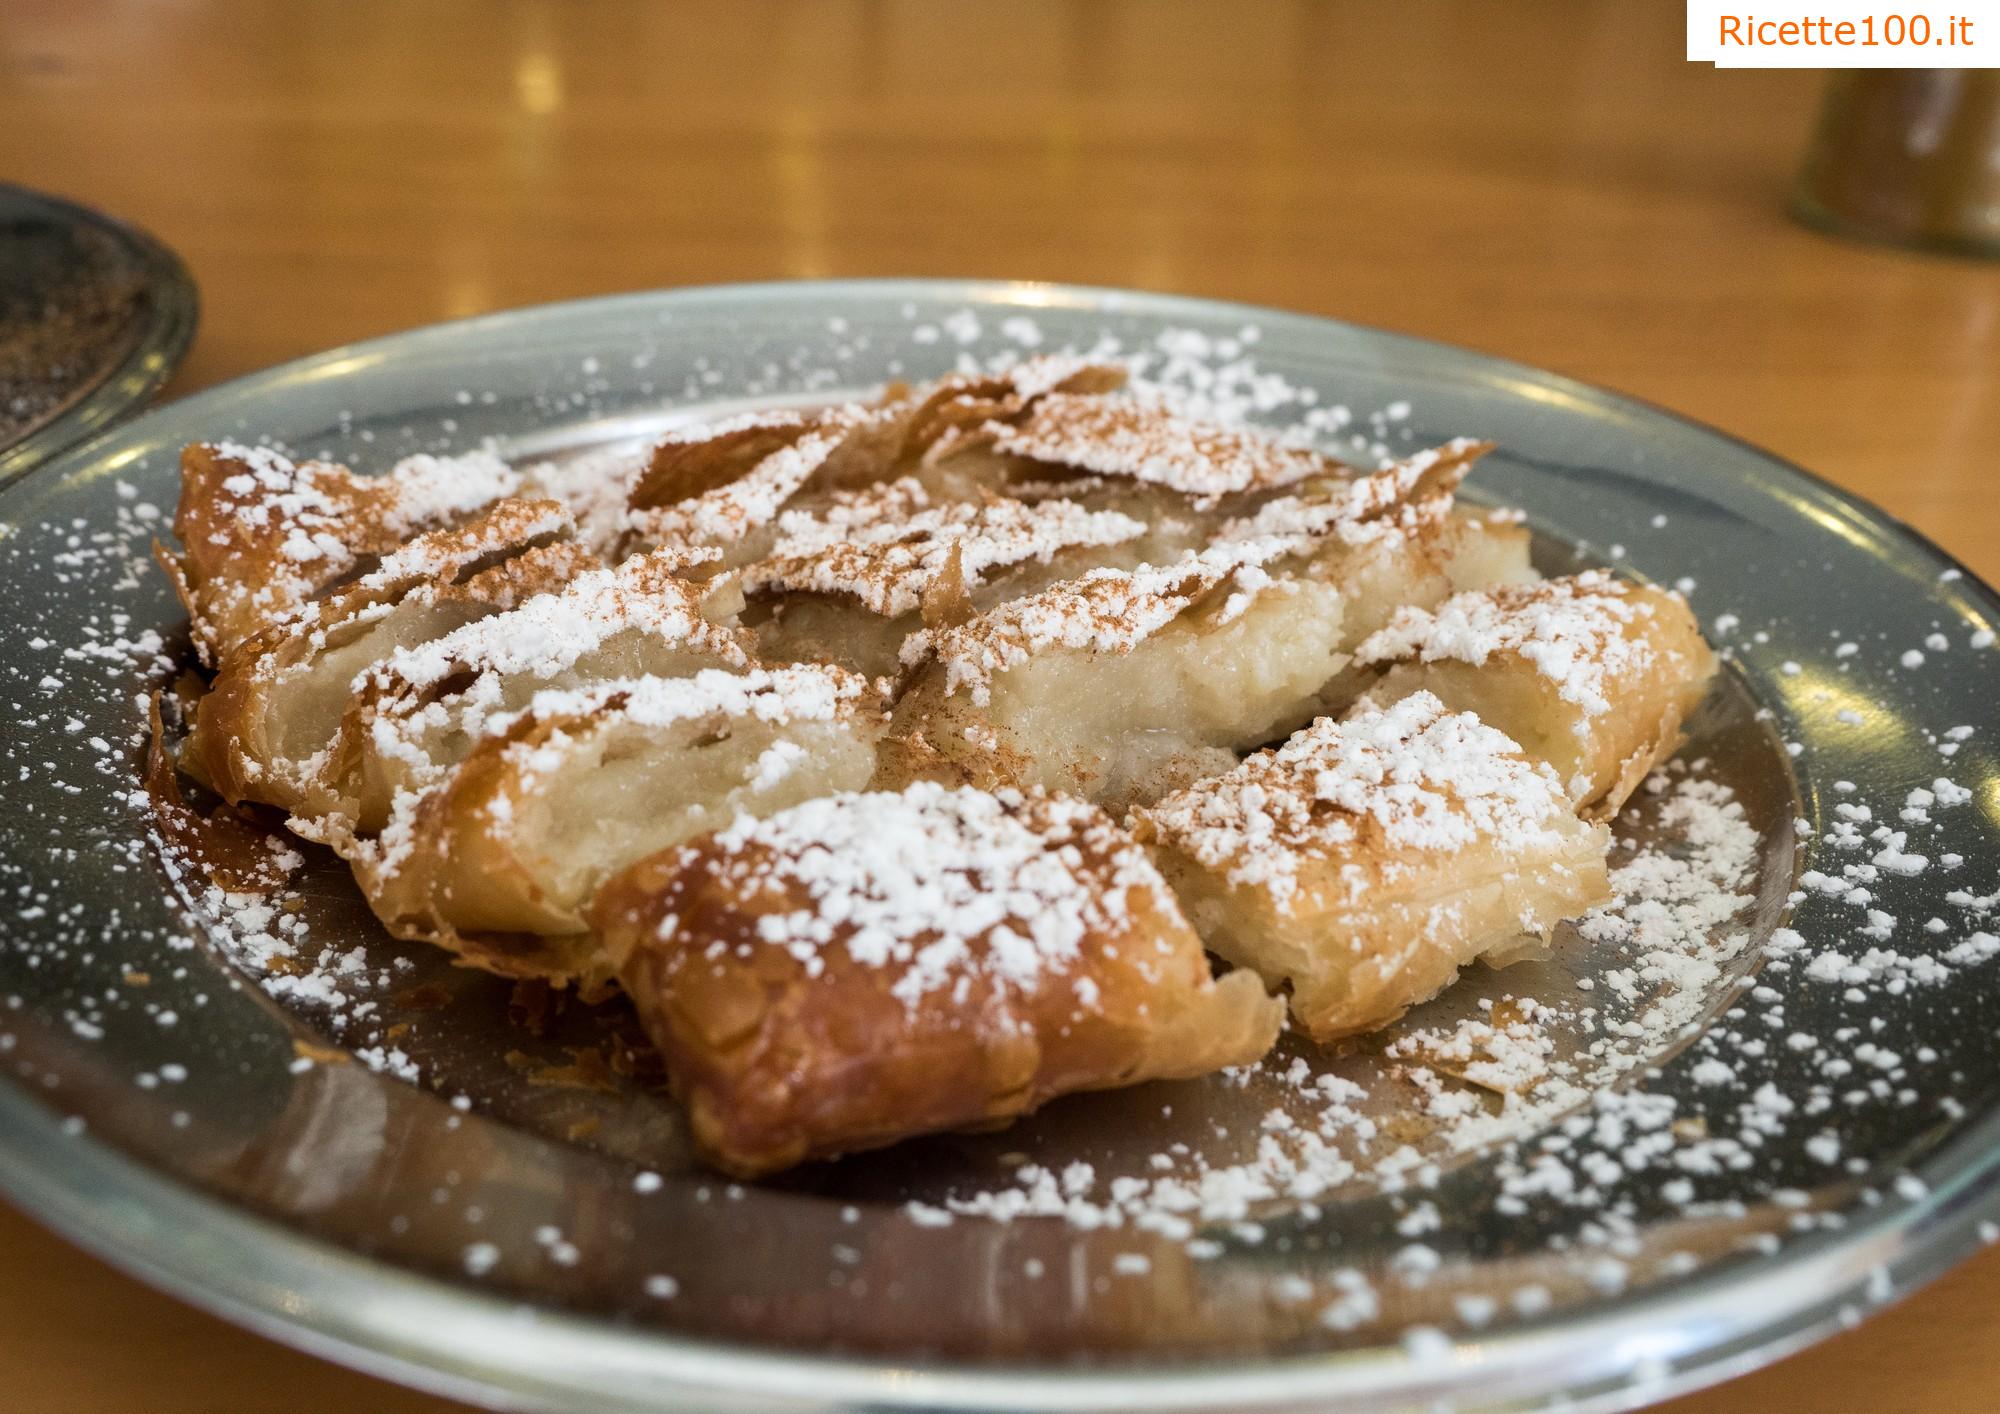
94	317
1815	1132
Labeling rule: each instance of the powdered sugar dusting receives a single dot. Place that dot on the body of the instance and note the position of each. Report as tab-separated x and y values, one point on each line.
1328	1128
1104	611
1414	776
1573	630
806	692
264	532
726	513
1361	508
933	881
888	559
547	633
1144	438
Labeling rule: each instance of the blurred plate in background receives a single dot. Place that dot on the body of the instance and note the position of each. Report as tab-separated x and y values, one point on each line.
94	317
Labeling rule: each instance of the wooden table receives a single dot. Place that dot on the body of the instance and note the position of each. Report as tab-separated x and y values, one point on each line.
1551	182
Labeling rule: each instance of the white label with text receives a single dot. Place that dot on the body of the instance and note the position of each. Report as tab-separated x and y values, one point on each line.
1839	34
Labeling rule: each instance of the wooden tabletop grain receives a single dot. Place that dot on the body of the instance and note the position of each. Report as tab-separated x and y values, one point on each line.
1550	181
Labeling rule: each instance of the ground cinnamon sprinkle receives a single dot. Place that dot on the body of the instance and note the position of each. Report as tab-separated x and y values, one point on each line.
1151	442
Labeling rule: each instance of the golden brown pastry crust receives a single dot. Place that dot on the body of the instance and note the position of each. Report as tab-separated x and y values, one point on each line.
965	411
786	1047
1363	863
885	551
1591	673
422	710
852	580
262	534
724	485
578	785
1151	442
277	699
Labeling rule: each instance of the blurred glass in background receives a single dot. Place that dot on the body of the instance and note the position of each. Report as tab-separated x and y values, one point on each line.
1910	156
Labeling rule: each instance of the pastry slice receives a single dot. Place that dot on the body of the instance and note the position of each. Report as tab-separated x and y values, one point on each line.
276	704
862	968
1119	686
1147	440
595	484
1388	538
1363	863
966	411
1590	673
423	708
261	534
724	483
848	582
498	860
1422	564
1486	548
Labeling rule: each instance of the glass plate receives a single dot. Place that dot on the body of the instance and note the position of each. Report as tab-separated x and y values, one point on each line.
95	316
1814	1133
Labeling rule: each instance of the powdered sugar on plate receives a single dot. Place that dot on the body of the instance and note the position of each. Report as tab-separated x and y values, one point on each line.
1697	1073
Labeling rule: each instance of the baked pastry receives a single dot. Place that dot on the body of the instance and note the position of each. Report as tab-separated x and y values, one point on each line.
1151	442
723	484
1119	686
261	534
261	731
1179	472
421	710
965	411
1387	539
595	485
497	861
1363	863
1590	673
865	967
849	581
809	727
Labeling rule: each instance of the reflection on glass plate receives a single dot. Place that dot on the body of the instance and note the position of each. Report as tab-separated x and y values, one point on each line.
1735	1110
